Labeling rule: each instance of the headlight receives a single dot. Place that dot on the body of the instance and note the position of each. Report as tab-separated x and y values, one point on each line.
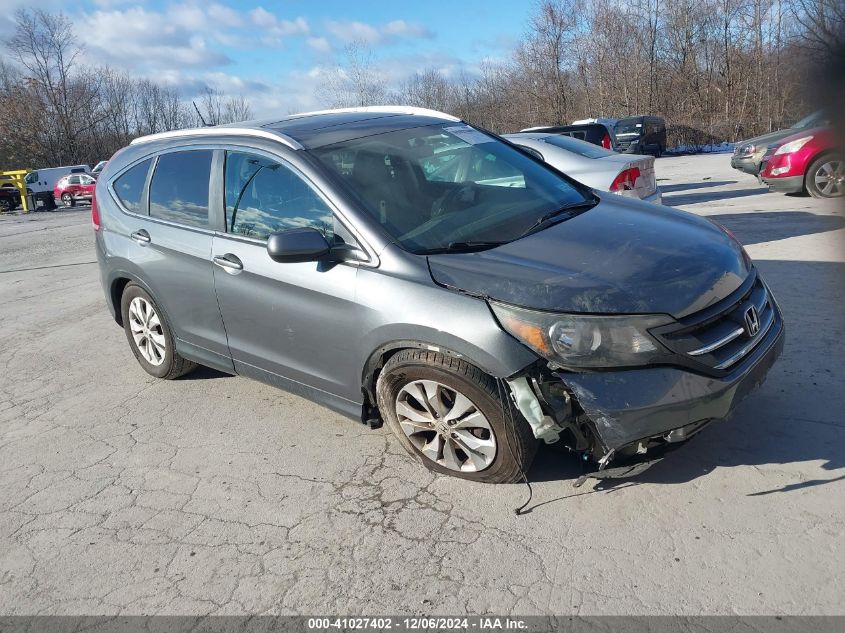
747	150
583	341
793	146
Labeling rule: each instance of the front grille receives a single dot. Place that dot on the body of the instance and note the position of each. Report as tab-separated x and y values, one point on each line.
719	337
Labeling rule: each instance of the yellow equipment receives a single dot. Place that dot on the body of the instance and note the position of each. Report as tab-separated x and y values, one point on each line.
16	177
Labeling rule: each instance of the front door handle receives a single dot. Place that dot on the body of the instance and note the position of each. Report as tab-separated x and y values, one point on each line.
141	236
228	262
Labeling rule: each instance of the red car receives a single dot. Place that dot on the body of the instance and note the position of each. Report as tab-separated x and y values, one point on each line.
810	160
74	187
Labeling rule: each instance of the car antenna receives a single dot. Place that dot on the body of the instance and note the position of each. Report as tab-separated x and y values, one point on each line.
199	114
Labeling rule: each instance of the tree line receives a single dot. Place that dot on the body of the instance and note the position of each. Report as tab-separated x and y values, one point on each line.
714	69
55	110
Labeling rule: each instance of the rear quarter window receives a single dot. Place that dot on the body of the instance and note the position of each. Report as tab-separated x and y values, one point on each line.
129	187
179	188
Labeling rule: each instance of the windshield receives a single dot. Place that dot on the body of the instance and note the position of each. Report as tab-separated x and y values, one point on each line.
633	127
582	148
816	119
448	187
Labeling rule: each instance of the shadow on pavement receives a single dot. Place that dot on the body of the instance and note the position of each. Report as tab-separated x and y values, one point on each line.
794	417
712	196
686	186
205	373
767	226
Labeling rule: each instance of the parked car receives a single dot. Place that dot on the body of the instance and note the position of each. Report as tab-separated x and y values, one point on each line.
748	154
74	188
98	167
595	133
10	197
811	160
476	310
641	135
42	182
624	174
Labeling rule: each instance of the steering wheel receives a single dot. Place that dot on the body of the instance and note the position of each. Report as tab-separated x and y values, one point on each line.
464	193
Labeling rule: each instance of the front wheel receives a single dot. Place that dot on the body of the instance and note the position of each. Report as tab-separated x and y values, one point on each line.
826	177
451	416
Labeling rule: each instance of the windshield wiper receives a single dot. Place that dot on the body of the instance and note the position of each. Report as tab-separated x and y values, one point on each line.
463	247
559	215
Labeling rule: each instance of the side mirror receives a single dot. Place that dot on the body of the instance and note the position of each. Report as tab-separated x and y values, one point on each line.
297	245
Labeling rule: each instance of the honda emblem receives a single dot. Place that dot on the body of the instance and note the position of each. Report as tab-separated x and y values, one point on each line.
752	321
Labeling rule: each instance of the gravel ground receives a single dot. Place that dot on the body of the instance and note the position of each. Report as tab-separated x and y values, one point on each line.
216	494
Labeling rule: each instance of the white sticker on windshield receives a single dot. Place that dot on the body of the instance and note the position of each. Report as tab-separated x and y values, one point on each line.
468	134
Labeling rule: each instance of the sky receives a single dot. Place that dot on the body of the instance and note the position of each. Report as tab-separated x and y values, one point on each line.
272	52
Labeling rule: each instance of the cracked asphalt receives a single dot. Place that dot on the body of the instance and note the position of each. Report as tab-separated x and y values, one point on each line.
122	494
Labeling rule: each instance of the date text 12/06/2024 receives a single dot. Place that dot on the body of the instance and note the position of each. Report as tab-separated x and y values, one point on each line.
485	623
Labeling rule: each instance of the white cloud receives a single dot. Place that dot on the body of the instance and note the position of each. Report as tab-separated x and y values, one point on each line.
319	44
354	31
406	29
278	27
137	37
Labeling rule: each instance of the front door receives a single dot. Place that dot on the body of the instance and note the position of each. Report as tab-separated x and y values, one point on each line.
294	324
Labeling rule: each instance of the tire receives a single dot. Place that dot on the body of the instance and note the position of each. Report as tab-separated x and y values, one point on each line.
514	444
161	362
5	206
68	200
826	177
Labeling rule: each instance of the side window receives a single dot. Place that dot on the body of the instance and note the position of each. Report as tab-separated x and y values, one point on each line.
73	180
31	177
87	180
179	189
130	186
263	197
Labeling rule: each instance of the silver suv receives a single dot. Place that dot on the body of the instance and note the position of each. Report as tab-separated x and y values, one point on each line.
398	265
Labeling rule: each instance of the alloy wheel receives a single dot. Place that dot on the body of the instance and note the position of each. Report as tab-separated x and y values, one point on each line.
66	199
445	426
830	178
147	331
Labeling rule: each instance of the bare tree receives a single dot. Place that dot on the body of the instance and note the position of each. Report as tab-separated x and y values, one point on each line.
354	81
822	30
44	46
426	89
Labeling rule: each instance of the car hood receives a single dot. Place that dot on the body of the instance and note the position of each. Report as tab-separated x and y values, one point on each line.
622	256
768	139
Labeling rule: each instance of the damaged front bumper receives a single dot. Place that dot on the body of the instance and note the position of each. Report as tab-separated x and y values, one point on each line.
669	403
609	414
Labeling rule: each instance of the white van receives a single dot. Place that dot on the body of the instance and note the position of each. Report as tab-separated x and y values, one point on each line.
40	182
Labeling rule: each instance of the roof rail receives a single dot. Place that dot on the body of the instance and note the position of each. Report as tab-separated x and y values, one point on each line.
219	131
386	109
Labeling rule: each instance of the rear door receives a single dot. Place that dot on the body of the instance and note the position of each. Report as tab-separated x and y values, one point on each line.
169	241
291	324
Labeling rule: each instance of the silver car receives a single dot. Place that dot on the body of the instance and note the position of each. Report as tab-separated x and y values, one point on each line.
401	266
629	175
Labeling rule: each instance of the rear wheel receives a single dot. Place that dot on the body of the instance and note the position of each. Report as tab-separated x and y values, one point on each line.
149	336
451	417
5	205
826	177
67	200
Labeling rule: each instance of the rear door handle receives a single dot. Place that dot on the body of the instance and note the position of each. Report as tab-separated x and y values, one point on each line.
141	236
228	262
